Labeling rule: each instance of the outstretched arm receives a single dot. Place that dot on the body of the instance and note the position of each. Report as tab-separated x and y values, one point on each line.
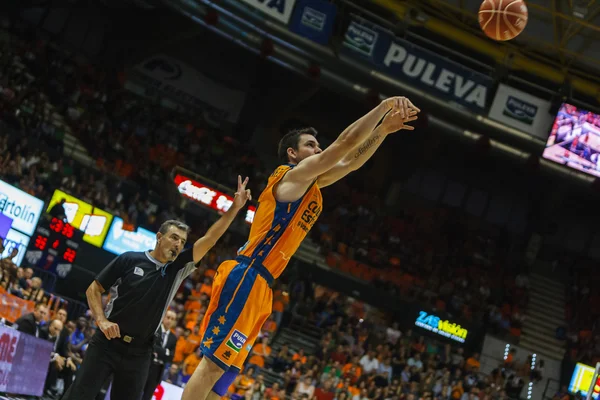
214	233
298	179
359	155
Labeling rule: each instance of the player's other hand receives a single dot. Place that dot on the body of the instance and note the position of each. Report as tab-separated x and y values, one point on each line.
403	106
110	329
242	195
395	121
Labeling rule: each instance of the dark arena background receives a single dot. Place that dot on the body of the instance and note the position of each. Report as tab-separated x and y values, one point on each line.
459	263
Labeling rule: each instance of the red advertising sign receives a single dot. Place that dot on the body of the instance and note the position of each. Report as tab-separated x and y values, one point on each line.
208	196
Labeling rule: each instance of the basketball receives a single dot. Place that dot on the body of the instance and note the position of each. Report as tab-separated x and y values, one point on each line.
503	19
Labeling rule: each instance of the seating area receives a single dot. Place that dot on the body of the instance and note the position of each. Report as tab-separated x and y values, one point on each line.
438	256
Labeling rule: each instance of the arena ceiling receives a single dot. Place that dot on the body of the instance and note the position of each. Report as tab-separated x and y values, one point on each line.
563	33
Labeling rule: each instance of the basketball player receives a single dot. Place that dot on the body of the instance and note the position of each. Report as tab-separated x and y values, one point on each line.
288	207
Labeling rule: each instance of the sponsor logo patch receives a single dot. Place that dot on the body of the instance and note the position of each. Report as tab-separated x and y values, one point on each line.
236	341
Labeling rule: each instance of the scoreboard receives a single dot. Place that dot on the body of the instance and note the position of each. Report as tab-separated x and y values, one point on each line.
54	246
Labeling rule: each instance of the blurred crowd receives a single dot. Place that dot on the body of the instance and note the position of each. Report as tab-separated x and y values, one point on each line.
582	312
441	257
362	355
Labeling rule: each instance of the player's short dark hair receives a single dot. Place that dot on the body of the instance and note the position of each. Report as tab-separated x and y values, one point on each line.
164	228
291	139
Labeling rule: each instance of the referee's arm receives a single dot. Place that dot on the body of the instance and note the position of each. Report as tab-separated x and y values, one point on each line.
106	278
214	233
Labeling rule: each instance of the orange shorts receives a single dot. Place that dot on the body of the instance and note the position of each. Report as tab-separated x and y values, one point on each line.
240	304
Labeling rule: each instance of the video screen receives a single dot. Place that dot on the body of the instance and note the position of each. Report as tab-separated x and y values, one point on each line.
575	140
85	217
582	380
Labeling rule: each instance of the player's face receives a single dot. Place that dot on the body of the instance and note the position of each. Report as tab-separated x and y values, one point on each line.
307	146
170	244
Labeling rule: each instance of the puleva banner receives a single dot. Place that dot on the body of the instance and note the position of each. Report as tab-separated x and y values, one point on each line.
417	66
281	10
522	111
186	85
313	19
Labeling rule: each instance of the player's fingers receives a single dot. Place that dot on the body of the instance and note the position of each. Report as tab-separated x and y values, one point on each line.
406	107
249	194
413	118
413	106
408	127
117	331
401	109
239	181
245	181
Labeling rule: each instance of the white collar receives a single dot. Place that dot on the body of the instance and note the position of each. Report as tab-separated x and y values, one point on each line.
154	260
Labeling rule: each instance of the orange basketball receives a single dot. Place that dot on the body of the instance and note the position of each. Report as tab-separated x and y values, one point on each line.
503	19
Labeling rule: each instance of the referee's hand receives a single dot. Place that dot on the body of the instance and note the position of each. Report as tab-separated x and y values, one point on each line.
110	329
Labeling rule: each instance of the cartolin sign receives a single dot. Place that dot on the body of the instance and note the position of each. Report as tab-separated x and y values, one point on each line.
445	328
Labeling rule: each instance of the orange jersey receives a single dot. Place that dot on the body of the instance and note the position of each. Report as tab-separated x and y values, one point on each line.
279	228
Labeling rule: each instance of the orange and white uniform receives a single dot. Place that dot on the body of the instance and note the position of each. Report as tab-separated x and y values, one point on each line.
241	295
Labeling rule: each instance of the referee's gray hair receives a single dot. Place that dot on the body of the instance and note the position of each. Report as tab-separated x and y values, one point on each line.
164	228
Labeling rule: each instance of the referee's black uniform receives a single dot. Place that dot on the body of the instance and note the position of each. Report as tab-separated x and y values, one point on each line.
141	289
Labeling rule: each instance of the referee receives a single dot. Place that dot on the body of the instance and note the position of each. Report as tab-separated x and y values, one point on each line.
142	285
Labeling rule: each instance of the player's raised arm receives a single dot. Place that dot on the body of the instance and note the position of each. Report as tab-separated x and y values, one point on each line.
311	168
214	233
359	155
312	163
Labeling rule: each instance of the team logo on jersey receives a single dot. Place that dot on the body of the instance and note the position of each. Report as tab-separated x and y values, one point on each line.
138	271
227	355
236	341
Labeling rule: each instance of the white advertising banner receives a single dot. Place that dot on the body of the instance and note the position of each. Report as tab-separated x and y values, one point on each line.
24	209
522	111
186	85
281	10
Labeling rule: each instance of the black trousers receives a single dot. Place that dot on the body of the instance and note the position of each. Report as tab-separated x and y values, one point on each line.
127	362
154	378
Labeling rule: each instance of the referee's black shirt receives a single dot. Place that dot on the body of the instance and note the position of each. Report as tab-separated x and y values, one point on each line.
141	289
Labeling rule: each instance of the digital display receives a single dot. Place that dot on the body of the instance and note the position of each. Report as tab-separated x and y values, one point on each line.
209	197
575	140
119	240
54	246
582	380
85	217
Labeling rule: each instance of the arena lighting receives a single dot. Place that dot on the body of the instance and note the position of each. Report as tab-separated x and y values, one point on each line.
506	351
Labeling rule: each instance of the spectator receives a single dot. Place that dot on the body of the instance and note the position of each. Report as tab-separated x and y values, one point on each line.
30	323
173	375
164	351
58	210
305	387
369	363
260	352
61	364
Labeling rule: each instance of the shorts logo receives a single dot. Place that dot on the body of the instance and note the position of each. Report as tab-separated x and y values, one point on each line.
236	341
